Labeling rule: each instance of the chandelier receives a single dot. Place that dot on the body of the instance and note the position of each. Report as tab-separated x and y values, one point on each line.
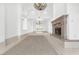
40	6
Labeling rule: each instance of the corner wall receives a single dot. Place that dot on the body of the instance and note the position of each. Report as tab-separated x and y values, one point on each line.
73	21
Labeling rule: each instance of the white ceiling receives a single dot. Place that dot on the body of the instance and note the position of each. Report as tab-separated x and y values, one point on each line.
31	12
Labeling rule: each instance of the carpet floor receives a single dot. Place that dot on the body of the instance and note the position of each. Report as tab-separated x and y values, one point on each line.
32	45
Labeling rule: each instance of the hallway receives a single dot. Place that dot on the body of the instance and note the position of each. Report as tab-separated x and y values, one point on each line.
32	45
39	29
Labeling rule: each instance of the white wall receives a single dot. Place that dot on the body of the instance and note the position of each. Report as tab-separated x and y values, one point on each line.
2	22
59	9
11	20
73	21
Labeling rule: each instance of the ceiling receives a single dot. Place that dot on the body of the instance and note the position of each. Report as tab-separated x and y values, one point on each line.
30	12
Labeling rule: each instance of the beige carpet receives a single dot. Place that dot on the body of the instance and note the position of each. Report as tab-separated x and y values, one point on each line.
32	45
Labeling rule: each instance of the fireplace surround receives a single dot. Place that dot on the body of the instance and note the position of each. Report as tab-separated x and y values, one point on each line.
59	26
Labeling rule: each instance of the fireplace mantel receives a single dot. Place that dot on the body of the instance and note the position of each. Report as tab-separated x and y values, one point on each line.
59	19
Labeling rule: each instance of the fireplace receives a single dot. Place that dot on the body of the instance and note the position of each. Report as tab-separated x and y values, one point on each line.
59	27
58	31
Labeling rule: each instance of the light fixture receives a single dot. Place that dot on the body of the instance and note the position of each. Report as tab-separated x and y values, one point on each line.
40	6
